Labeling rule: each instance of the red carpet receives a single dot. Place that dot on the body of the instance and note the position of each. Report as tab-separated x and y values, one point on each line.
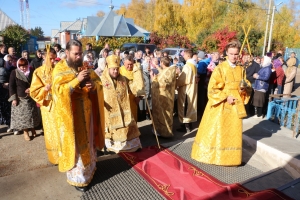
176	179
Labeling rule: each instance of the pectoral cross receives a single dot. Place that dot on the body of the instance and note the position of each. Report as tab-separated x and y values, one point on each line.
85	66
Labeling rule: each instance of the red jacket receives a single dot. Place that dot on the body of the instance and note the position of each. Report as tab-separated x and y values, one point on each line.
279	75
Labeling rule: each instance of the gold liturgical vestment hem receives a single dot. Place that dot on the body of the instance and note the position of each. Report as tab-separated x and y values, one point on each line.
163	92
72	106
38	94
219	137
119	122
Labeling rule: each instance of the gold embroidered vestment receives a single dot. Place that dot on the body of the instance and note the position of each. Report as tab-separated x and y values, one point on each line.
219	137
163	92
76	110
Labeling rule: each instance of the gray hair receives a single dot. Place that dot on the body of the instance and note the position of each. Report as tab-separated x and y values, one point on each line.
62	55
129	57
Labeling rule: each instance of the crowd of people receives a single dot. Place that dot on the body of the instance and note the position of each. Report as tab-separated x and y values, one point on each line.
87	102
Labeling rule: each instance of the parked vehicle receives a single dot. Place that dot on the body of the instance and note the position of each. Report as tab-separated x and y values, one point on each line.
173	51
137	46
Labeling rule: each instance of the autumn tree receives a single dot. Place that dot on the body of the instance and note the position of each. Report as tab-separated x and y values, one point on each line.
122	10
199	15
15	36
164	17
136	9
100	13
174	40
218	40
283	33
200	19
37	32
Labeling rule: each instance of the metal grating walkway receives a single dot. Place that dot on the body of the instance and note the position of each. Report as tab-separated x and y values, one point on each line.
225	174
115	179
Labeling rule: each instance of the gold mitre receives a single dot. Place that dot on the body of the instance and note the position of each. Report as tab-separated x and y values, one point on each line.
113	61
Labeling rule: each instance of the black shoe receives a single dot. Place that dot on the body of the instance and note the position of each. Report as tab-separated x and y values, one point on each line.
139	150
81	189
184	128
191	126
181	129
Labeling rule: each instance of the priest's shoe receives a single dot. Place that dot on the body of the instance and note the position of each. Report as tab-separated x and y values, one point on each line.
81	189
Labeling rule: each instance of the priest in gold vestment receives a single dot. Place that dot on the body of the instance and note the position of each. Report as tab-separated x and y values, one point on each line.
132	71
187	93
40	91
163	93
79	116
121	131
219	137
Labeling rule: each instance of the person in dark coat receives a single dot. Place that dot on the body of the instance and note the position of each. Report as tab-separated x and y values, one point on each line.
251	68
2	50
24	112
4	104
38	60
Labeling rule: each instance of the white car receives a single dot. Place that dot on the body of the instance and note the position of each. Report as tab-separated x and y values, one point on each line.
173	52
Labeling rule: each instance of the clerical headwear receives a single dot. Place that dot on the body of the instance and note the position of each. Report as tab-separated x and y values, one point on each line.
113	61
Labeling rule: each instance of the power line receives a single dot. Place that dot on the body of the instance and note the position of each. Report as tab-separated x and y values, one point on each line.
281	16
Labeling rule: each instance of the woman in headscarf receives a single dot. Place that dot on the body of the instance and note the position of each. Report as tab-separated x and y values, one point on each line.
102	62
261	86
290	75
4	104
24	112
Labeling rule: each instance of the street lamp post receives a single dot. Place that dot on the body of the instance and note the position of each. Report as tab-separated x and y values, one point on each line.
271	28
267	26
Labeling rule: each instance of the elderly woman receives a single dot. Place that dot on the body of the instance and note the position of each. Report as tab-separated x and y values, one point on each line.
4	104
261	86
290	75
102	62
24	113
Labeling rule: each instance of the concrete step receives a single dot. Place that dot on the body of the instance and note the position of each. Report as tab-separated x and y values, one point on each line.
272	179
275	152
274	144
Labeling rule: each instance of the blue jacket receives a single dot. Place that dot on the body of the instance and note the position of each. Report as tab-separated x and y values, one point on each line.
262	82
202	66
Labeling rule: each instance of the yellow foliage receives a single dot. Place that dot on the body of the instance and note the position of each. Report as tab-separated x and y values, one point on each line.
114	42
100	13
192	17
164	21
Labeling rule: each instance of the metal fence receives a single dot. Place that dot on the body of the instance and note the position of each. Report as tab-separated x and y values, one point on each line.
286	112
